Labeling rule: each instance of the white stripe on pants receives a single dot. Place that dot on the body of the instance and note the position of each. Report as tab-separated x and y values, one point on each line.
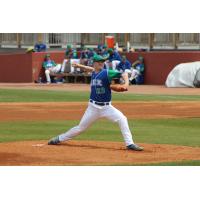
95	112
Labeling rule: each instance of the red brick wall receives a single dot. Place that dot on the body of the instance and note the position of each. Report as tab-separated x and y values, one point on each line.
27	67
15	68
159	64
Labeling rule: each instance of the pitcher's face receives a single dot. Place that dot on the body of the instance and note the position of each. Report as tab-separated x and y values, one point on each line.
98	65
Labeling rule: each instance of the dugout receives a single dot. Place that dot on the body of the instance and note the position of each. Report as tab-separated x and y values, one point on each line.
26	68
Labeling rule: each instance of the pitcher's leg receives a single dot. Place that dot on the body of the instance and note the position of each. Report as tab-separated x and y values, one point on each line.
90	115
115	115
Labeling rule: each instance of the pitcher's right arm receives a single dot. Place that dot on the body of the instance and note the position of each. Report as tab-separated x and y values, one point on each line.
84	67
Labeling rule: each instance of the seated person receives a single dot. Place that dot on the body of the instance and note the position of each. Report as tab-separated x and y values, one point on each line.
74	59
137	75
74	54
68	51
50	67
71	56
39	47
91	53
84	56
99	49
124	65
113	60
105	53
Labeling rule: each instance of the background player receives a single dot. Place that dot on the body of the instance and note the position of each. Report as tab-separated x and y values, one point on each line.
100	104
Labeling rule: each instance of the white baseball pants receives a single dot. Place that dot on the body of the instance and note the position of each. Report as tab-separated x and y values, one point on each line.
134	74
114	64
95	112
55	69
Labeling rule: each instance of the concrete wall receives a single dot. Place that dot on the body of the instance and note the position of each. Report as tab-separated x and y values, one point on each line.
23	67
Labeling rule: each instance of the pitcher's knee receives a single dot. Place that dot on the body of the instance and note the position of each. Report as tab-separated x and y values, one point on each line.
123	118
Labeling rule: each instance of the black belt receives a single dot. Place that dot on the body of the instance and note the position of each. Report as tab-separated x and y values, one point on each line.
100	103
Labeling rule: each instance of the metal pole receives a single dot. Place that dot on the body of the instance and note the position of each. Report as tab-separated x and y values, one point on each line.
19	40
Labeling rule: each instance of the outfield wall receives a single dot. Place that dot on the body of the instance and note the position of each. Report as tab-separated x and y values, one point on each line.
26	68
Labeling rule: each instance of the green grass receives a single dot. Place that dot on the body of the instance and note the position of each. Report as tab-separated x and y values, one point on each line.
159	131
19	95
178	163
162	131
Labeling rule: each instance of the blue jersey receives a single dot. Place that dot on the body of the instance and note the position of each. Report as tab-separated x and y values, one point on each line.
114	56
40	47
140	67
84	55
105	54
91	54
100	85
123	66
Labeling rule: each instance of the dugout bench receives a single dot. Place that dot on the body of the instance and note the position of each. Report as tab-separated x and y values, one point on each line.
73	77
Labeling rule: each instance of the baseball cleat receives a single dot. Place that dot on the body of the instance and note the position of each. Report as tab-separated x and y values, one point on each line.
135	147
54	141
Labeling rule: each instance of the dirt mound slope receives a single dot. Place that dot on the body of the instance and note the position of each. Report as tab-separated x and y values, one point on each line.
38	153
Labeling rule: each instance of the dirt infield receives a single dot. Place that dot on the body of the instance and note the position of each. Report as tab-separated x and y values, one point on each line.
74	111
31	153
135	89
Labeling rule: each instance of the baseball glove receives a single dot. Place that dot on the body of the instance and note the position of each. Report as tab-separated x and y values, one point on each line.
118	88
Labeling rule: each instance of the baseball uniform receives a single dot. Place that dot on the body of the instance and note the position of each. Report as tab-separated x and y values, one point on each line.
113	58
100	107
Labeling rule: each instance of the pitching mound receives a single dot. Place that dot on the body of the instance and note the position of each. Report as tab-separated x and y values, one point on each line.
36	153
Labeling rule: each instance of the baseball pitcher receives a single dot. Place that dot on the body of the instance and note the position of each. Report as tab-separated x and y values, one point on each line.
99	105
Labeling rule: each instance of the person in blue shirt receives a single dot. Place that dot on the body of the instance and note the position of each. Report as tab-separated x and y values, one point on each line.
113	60
84	56
70	54
84	53
105	53
40	47
99	105
137	75
99	49
124	65
91	53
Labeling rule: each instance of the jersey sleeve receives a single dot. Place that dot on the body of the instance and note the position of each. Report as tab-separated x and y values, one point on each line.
113	74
